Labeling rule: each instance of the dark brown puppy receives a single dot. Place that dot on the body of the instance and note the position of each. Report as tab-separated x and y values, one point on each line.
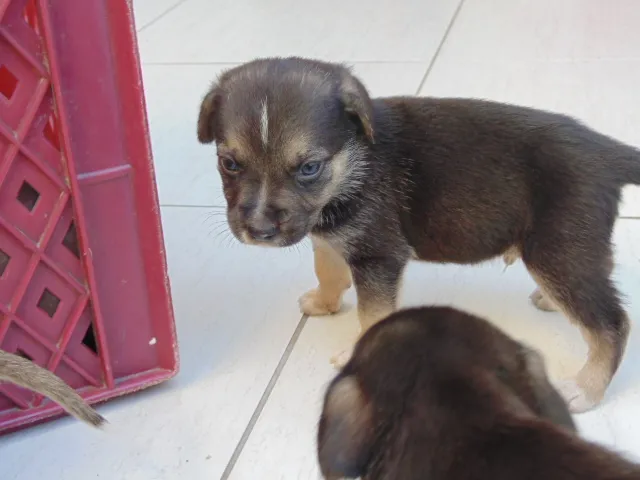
437	394
303	150
27	374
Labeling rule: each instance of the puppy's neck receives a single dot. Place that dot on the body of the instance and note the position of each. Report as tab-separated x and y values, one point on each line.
372	176
337	213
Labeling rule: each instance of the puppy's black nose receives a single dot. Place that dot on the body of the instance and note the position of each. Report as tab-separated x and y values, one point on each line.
263	233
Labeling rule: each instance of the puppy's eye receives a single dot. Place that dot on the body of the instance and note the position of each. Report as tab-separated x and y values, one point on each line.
229	164
309	170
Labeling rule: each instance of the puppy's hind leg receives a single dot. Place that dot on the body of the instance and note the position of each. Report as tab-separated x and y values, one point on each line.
334	277
583	290
542	300
538	298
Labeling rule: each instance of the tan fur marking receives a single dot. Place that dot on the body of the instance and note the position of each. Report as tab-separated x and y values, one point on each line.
590	384
297	144
246	238
334	277
346	175
510	256
595	375
237	144
264	123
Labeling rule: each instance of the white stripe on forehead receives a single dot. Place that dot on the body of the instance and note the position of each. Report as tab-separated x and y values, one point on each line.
264	123
261	204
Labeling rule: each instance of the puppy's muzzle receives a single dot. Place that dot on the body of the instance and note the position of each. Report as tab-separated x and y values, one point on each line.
262	231
264	226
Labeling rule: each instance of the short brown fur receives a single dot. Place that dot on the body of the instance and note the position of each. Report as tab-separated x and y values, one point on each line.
303	150
437	394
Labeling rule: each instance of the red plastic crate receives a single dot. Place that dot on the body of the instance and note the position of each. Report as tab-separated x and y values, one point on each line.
83	280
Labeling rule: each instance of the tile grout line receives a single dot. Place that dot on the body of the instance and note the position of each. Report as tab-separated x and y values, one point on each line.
168	10
438	50
265	397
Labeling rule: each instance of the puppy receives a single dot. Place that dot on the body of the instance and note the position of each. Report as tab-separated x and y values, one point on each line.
434	393
27	374
303	150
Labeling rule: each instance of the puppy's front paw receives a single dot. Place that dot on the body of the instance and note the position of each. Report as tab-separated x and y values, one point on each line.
340	359
542	302
314	304
575	396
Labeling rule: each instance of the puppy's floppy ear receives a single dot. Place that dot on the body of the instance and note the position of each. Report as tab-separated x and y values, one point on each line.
357	102
208	118
344	431
550	404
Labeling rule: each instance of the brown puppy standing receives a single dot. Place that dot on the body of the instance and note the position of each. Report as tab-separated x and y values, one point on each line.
24	373
437	394
303	150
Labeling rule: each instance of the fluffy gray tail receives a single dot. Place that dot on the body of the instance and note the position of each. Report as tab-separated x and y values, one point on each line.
24	373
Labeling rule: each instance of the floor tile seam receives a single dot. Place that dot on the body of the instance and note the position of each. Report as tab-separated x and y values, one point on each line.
435	56
160	16
264	399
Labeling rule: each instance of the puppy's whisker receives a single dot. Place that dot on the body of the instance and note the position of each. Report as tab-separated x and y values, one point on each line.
221	235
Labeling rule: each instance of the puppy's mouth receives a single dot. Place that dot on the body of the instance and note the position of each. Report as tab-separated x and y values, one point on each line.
278	239
270	234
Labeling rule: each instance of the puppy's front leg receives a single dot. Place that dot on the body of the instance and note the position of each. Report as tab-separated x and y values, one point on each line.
377	283
334	278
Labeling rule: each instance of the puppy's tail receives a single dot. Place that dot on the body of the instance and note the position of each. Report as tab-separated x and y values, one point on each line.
27	374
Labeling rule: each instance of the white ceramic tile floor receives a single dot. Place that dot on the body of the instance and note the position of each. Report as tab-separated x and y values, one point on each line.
245	403
239	30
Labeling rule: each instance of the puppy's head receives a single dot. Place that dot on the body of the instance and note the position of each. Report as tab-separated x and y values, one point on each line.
290	137
422	378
